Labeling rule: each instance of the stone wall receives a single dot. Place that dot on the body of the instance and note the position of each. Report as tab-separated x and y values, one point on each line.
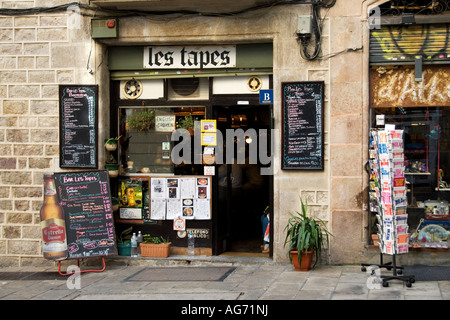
38	52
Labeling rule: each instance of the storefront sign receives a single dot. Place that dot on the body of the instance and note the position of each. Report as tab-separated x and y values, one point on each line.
189	57
266	96
199	233
179	224
398	88
164	123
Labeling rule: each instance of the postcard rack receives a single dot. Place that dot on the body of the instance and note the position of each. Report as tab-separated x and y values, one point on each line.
388	199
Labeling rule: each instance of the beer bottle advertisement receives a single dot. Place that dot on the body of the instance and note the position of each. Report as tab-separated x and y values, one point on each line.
54	241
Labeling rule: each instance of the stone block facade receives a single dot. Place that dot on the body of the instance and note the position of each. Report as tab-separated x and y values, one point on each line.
29	126
39	52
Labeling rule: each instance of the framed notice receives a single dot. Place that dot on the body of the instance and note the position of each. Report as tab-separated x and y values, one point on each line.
78	105
209	125
208	139
302	125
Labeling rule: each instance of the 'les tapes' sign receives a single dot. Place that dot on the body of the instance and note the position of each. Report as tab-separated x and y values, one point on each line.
185	57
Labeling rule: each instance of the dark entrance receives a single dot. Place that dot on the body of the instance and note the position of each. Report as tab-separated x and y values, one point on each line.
243	192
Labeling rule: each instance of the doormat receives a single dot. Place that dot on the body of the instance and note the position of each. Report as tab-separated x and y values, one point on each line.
428	273
182	274
28	275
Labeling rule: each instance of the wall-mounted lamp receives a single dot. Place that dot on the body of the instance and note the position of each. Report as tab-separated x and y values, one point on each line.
408	18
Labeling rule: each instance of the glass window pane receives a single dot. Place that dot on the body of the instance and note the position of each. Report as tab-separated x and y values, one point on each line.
147	135
427	156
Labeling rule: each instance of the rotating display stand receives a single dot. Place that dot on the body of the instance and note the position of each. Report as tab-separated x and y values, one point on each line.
388	200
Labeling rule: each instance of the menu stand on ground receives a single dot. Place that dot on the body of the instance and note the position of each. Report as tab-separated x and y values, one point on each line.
81	271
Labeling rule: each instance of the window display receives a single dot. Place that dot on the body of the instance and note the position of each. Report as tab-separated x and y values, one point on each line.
146	132
427	170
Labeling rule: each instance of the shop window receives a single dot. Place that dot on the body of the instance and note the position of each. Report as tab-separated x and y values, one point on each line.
146	137
427	163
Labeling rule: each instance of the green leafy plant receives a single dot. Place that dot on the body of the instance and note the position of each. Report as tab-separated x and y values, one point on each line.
112	140
156	240
125	235
305	233
143	120
186	123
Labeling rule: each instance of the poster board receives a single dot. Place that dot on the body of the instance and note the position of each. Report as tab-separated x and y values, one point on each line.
188	197
78	108
302	125
86	201
134	205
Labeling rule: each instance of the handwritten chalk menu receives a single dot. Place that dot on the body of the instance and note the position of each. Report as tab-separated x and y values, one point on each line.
78	126
303	106
86	200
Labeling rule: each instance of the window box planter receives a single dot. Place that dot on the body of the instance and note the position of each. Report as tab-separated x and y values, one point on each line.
160	250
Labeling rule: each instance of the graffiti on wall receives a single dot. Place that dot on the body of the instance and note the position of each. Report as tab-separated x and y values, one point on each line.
404	43
396	87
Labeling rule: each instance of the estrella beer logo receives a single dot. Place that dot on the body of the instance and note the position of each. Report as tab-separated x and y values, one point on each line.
53	231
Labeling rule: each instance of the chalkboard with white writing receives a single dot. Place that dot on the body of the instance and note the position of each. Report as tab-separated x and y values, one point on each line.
86	201
302	135
78	106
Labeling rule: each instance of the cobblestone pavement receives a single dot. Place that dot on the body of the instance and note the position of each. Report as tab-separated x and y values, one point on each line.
250	280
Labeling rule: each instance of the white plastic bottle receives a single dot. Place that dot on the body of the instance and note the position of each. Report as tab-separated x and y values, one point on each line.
191	245
140	239
134	252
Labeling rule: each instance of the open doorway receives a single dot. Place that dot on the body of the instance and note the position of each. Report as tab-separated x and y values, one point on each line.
244	193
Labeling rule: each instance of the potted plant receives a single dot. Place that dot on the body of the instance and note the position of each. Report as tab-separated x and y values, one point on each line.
111	143
112	166
305	238
155	246
143	120
187	123
124	242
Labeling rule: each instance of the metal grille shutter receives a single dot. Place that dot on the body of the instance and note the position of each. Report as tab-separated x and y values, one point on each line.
400	44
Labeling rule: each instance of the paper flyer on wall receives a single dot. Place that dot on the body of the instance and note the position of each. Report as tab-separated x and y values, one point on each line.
187	197
173	188
158	188
174	208
158	209
188	208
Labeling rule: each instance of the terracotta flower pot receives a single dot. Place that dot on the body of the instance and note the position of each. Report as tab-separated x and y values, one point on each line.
161	250
306	260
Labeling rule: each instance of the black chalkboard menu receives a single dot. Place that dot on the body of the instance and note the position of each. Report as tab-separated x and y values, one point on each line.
302	135
86	200
78	126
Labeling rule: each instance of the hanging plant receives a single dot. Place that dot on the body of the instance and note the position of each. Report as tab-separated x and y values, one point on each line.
143	120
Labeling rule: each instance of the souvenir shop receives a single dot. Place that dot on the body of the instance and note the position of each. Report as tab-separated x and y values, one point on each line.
409	85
